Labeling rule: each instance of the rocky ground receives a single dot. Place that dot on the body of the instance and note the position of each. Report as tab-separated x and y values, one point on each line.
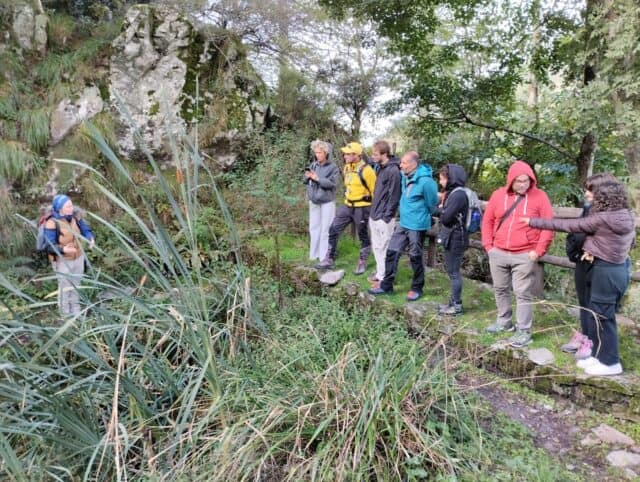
575	437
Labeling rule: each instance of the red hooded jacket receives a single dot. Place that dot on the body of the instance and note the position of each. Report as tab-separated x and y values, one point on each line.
514	235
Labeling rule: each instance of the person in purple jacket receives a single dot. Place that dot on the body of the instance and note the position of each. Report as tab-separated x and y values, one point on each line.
610	232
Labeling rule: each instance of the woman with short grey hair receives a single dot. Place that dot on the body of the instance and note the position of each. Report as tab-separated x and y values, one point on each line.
321	178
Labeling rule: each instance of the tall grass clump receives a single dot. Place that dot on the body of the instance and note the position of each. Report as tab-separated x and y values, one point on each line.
34	128
334	395
16	160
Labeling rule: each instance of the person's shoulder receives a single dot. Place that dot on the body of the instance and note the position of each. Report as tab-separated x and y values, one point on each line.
50	223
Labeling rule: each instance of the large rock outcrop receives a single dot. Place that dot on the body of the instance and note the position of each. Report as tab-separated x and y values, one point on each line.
148	73
153	70
29	27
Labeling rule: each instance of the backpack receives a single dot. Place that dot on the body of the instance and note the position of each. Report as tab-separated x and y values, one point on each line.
474	213
41	240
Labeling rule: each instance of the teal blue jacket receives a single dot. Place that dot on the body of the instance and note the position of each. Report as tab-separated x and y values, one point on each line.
419	199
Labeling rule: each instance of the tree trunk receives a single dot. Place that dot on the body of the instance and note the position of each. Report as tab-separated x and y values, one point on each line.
584	161
632	155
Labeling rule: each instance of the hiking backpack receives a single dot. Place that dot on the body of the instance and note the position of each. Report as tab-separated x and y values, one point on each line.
41	240
474	213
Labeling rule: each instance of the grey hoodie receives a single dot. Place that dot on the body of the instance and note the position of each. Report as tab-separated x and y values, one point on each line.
323	190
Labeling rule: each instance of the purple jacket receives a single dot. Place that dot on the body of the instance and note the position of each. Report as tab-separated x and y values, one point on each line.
610	234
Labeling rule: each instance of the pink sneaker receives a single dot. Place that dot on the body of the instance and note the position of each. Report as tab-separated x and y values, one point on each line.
585	349
575	343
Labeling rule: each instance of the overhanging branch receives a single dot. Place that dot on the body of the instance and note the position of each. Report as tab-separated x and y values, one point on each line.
494	127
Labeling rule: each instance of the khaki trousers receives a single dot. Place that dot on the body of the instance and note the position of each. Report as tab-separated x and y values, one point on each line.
517	273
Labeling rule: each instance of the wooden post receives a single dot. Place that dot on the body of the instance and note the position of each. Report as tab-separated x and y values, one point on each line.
432	246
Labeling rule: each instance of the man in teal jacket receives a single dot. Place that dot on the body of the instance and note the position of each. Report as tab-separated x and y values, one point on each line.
419	199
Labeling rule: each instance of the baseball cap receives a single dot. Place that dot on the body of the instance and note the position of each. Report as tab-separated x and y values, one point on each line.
352	148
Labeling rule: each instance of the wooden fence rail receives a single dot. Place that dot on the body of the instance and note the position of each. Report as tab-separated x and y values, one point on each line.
563	262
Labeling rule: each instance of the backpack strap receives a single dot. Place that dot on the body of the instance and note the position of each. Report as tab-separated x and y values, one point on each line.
509	211
362	179
462	222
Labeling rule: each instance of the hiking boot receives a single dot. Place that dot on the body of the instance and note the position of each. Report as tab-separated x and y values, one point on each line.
413	295
451	310
361	267
520	339
326	263
498	328
585	349
379	291
599	368
575	343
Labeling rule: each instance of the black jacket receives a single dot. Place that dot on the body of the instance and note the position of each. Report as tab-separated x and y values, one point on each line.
386	195
576	240
453	213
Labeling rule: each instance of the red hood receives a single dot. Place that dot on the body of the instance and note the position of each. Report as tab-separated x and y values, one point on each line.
517	169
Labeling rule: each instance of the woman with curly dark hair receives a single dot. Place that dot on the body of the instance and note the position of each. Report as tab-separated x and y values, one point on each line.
610	232
580	344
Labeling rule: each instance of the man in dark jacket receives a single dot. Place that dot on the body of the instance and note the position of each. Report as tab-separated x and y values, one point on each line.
386	198
453	235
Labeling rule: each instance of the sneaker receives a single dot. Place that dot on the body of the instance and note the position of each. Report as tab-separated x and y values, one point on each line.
451	310
585	349
326	263
498	328
520	339
361	267
585	362
413	295
575	343
598	368
373	278
379	291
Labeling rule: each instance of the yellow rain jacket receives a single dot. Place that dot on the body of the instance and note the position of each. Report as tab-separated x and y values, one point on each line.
356	193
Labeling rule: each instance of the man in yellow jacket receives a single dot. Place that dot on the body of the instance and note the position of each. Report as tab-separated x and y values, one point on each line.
359	184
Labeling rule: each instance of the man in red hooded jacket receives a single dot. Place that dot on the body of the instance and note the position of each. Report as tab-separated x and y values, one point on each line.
514	248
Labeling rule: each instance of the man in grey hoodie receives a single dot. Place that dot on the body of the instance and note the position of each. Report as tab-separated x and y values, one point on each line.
386	198
321	178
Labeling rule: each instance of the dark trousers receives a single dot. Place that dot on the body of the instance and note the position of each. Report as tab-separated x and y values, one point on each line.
582	278
346	215
608	284
400	240
453	261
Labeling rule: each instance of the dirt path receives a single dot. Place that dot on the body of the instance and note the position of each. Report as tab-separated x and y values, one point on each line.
558	428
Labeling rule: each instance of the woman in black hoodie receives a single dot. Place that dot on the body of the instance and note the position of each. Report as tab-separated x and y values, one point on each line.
453	236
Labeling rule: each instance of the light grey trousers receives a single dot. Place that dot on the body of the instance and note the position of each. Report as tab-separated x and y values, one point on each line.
69	274
516	272
320	219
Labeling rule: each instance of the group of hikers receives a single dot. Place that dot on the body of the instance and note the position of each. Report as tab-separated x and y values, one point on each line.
517	229
393	203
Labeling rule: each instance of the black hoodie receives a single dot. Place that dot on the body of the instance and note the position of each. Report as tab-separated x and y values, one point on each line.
453	213
386	195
